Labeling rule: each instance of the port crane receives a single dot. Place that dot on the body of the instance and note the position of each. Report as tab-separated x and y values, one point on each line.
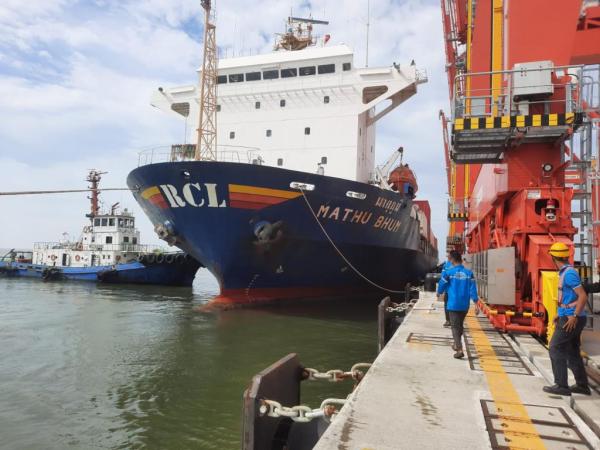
521	148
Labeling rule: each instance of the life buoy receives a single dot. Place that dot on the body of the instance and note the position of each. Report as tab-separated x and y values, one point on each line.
150	258
53	257
160	258
77	257
169	258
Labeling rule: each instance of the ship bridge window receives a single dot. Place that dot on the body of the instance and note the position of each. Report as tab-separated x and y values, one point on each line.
270	74
125	239
104	222
307	130
120	222
236	77
134	240
308	70
111	222
232	135
252	76
222	79
346	66
109	239
289	73
96	222
326	68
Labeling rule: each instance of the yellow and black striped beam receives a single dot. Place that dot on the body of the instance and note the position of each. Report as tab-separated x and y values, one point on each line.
584	271
458	216
532	120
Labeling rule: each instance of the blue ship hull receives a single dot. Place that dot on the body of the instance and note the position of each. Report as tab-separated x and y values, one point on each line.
175	274
264	238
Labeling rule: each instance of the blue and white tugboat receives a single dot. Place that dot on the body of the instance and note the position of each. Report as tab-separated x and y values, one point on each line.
109	250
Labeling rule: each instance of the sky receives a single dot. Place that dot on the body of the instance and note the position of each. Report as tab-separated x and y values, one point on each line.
76	79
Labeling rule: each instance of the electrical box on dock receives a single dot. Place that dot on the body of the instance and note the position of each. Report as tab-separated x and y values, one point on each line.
532	80
494	271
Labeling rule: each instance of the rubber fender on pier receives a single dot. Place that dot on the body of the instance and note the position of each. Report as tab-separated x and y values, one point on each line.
279	382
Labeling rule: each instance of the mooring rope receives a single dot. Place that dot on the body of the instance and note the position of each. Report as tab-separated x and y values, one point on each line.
358	272
64	191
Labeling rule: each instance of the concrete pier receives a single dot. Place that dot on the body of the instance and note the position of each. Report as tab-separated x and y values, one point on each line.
416	395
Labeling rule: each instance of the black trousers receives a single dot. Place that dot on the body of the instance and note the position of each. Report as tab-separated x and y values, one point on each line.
565	352
446	307
457	320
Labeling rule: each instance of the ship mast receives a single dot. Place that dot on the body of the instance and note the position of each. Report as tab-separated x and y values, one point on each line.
206	149
94	178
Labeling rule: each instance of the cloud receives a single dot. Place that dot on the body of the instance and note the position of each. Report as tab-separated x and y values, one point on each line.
76	76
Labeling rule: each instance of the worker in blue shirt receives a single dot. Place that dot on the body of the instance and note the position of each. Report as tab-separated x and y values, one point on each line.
459	283
447	265
565	351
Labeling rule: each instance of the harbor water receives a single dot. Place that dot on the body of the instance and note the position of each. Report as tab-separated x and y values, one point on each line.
88	366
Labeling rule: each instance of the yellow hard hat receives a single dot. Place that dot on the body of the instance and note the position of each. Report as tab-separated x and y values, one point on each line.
560	250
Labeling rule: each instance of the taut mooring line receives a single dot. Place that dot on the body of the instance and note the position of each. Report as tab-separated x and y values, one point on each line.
63	191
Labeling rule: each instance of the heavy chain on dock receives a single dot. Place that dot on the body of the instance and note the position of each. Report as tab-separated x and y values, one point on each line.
301	413
335	375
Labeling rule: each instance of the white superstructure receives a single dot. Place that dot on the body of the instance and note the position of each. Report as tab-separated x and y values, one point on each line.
309	110
111	238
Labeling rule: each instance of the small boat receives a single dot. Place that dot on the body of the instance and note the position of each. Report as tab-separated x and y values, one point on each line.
108	251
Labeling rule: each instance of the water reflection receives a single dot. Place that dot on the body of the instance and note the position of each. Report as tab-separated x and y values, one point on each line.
89	366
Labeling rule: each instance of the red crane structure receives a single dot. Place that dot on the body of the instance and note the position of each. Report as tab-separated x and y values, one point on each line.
521	148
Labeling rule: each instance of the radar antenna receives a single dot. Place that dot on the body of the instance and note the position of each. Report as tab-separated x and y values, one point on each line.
94	177
298	34
206	149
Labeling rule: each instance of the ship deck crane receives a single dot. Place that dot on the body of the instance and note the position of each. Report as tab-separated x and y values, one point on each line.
521	147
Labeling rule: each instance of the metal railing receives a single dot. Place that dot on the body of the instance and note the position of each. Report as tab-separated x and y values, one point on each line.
506	99
187	152
78	246
459	206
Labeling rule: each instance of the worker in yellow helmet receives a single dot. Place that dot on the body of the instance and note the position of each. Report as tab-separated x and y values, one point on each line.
565	343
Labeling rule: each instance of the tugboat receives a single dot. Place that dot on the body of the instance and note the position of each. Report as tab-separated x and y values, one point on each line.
108	251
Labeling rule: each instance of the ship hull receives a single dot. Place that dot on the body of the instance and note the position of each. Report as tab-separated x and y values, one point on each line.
176	273
269	233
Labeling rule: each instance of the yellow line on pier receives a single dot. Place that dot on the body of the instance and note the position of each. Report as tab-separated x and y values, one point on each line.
519	431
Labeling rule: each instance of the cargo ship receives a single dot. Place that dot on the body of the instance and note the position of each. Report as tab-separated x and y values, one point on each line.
108	251
294	206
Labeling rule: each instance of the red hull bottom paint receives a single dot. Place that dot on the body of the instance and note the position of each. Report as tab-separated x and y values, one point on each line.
238	298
